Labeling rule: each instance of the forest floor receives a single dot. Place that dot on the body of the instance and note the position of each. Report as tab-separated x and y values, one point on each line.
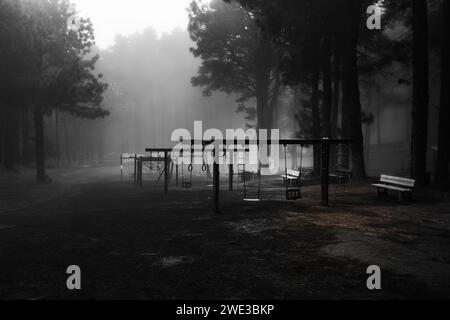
136	243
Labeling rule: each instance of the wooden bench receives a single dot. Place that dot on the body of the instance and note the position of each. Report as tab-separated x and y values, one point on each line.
401	185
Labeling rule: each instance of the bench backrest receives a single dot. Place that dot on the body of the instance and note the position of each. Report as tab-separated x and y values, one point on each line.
398	181
294	173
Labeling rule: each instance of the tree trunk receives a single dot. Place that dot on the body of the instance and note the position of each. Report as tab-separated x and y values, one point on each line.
378	116
420	92
39	140
25	138
336	101
100	146
263	76
327	87
264	115
10	137
368	136
316	121
57	144
351	104
67	144
443	157
315	103
336	92
2	137
276	91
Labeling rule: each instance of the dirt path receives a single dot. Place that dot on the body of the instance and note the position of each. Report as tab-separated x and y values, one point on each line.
136	243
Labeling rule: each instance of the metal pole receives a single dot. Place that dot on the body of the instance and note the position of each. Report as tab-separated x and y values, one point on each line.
135	169
121	168
325	172
230	178
166	173
216	176
140	172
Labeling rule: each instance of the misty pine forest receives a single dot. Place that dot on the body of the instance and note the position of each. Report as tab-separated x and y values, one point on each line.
93	92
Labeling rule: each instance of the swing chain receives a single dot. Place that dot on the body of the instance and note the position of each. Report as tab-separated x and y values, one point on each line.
204	166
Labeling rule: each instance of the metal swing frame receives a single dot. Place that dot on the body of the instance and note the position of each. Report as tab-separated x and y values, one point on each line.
325	167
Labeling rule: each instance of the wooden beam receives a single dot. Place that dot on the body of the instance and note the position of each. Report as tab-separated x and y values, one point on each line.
166	172
135	169
158	149
216	177
303	142
230	177
121	167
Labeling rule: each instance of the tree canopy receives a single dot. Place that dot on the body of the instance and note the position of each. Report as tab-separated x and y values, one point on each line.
236	56
47	61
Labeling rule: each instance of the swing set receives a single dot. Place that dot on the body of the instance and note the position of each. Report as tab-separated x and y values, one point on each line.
292	178
186	179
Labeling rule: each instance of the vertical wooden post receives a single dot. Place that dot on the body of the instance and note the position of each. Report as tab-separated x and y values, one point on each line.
216	176
231	176
141	183
121	167
166	173
325	172
135	169
176	173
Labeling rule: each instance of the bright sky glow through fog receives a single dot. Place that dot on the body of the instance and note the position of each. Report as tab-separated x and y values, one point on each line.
111	17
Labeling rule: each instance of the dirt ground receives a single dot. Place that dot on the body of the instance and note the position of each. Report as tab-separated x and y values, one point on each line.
136	243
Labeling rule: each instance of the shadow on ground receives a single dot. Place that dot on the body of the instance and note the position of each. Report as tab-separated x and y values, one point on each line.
136	243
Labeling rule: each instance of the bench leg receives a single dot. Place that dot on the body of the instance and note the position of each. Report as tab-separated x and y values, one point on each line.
381	191
400	196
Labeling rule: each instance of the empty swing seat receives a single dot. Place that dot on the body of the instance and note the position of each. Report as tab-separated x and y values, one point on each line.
252	200
293	194
291	177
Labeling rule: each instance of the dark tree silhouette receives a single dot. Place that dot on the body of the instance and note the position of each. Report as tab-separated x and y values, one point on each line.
351	104
237	57
49	65
443	157
307	29
15	60
64	76
420	91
